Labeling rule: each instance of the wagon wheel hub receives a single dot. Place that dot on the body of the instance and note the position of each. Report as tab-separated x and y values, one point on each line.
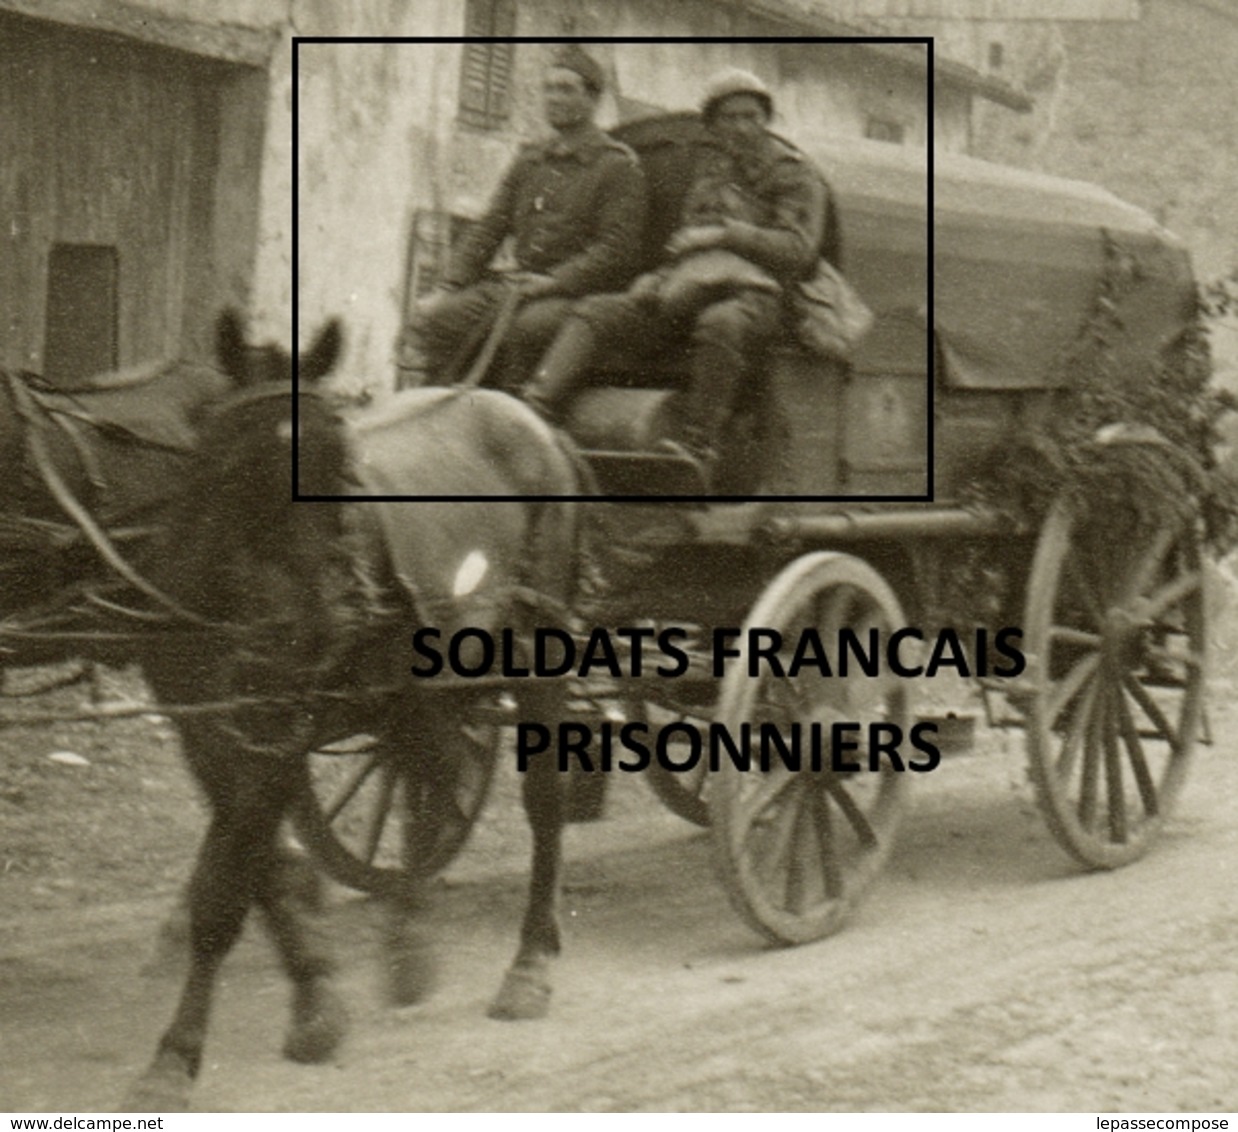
1123	629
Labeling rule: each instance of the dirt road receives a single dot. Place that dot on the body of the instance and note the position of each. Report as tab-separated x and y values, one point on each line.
984	972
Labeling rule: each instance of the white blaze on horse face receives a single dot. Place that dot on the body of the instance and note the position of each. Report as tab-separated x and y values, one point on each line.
283	430
470	573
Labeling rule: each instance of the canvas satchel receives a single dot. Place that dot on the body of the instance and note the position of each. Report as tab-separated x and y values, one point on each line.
831	318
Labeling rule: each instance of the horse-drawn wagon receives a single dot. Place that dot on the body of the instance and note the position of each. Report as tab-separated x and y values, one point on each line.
1014	447
1011	469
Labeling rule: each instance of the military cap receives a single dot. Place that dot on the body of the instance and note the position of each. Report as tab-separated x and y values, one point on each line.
731	81
572	58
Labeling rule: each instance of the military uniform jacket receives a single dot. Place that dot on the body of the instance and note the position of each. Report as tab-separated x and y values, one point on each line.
773	206
575	210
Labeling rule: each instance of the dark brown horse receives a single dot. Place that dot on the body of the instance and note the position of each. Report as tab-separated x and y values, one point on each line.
321	597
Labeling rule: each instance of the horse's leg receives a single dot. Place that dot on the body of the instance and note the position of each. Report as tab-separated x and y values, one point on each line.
319	1018
410	961
219	898
237	866
298	881
411	969
526	988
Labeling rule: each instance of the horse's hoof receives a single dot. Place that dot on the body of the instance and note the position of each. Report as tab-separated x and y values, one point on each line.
317	1029
524	995
164	1087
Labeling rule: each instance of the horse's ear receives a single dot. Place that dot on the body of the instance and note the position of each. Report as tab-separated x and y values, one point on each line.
321	357
230	346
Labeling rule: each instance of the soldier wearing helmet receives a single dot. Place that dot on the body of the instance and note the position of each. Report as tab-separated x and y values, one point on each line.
573	207
751	225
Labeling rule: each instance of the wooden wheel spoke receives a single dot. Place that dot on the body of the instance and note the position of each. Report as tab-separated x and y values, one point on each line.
1115	795
379	813
1066	689
1091	760
822	825
769	785
857	818
1072	744
1171	594
1068	635
797	859
1149	561
1164	729
1168	658
1076	571
793	699
458	813
348	791
774	851
1134	752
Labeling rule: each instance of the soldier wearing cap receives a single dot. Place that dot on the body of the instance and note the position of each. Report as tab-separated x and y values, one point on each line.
752	223
574	208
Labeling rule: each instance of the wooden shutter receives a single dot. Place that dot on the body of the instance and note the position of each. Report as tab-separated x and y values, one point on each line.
486	66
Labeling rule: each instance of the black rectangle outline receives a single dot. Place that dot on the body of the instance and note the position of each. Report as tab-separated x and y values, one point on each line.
645	500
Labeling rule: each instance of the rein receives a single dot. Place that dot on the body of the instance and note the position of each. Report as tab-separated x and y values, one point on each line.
498	331
28	409
68	417
35	415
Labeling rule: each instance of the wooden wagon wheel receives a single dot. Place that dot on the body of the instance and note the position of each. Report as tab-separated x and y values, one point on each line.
1115	641
371	806
797	849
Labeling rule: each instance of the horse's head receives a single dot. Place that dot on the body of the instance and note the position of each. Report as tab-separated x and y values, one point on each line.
240	549
246	450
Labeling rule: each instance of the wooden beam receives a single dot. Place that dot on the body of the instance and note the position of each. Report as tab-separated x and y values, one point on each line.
232	43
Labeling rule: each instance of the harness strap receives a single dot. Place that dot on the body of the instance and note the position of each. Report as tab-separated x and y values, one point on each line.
90	462
99	539
498	331
68	503
45	397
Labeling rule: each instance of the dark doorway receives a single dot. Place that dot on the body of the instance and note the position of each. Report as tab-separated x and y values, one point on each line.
82	311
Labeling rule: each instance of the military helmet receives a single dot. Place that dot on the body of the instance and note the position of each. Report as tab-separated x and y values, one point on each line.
731	81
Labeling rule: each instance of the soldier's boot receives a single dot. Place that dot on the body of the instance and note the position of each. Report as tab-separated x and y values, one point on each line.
561	368
715	372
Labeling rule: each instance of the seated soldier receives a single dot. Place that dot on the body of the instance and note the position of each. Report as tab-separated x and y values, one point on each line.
751	225
574	207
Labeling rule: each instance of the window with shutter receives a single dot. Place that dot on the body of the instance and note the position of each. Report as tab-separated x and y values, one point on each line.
486	63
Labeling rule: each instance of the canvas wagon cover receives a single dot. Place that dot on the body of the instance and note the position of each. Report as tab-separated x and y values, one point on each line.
1020	262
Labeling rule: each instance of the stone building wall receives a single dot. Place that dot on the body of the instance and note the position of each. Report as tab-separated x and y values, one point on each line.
1138	97
380	145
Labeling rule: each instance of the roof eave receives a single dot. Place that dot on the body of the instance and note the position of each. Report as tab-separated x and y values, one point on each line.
946	71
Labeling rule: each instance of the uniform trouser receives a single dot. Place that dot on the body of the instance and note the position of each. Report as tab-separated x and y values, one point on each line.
448	332
724	338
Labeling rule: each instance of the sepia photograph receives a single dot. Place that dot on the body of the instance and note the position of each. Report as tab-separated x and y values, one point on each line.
613	556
